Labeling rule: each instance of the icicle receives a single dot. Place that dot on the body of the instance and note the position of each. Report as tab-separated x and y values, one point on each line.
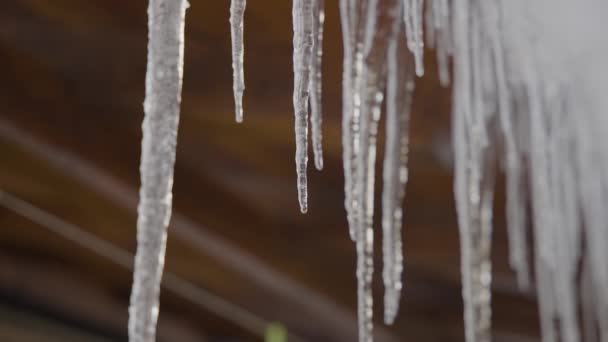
353	14
316	116
543	220
516	210
417	10
461	106
473	173
594	196
399	89
412	12
483	268
438	31
431	15
474	182
161	106
348	42
302	47
237	12
587	304
381	26
566	230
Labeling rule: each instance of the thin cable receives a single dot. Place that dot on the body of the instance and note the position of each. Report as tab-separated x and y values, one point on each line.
334	320
171	282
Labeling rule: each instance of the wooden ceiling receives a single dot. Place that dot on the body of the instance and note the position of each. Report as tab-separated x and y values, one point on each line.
71	93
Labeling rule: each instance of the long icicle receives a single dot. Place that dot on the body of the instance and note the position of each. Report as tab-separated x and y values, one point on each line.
473	172
347	24
302	47
237	12
316	108
353	15
381	26
399	91
541	201
516	205
161	107
461	106
567	231
347	95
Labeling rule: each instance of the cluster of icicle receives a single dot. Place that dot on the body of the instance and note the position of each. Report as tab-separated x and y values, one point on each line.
529	97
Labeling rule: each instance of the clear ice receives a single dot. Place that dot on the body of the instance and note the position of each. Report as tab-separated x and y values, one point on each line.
302	57
399	91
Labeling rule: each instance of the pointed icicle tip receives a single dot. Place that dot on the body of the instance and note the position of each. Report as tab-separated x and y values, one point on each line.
239	117
391	305
303	208
319	163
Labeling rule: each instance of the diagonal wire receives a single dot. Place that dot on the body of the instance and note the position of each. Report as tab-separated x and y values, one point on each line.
336	321
119	256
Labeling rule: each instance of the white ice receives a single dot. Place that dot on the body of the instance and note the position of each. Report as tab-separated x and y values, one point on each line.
161	118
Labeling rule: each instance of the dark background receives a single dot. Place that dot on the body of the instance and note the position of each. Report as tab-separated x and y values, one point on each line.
71	94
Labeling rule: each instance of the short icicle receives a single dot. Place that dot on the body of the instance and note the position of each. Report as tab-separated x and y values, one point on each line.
413	17
302	47
237	12
438	33
161	107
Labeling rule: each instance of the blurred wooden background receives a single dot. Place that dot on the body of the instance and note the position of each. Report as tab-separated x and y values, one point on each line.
71	93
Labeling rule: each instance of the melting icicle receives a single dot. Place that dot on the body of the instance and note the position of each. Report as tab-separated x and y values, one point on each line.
302	56
381	27
438	31
516	210
161	106
347	24
237	12
566	215
316	116
412	13
544	256
353	15
347	99
473	173
399	89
